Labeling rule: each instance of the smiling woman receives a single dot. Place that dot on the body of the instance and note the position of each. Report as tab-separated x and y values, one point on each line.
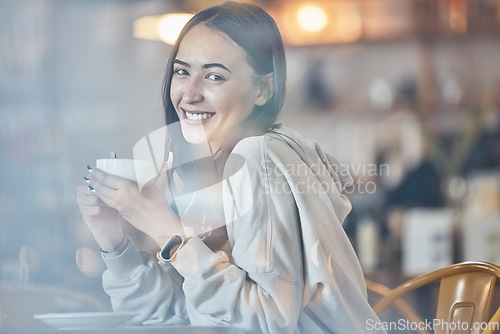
213	88
277	259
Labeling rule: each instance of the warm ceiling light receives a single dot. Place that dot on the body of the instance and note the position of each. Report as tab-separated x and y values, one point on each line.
164	28
170	25
145	27
312	18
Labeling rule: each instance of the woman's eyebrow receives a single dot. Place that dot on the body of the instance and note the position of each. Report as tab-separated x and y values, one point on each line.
183	63
216	65
180	62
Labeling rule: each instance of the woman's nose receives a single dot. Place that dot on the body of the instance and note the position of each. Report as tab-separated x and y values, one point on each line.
192	92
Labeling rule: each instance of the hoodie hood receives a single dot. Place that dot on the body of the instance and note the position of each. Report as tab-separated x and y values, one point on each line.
333	176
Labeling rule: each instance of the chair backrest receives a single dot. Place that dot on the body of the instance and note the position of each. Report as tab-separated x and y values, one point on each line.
401	306
18	304
465	296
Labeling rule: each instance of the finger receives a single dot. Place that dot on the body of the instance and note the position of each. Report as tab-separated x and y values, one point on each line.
95	210
90	201
107	197
155	188
164	173
160	181
100	190
168	164
86	197
81	190
106	194
84	191
112	181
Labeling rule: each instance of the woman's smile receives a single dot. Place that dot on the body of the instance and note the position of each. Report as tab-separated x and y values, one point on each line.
195	117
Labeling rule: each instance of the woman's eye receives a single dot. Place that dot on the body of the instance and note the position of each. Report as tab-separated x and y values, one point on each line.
181	71
216	77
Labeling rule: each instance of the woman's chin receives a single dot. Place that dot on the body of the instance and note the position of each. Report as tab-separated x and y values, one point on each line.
194	134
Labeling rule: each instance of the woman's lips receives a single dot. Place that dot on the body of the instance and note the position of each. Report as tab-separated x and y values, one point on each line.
196	117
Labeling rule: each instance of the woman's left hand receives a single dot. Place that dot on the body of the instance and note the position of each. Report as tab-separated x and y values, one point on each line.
152	216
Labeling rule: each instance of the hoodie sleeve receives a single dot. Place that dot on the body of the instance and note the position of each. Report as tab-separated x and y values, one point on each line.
137	283
259	285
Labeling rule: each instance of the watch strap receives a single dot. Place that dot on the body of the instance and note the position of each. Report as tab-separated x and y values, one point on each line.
165	254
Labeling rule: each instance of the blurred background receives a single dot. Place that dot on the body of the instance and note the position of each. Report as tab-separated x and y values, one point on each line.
404	93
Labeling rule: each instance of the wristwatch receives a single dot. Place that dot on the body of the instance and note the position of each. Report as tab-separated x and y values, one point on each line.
165	254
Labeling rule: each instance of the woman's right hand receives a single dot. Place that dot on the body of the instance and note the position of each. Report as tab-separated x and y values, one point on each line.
104	222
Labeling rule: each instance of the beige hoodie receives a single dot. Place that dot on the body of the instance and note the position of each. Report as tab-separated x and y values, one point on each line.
288	267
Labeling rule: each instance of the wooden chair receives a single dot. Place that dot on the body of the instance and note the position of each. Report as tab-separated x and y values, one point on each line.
401	306
465	296
18	304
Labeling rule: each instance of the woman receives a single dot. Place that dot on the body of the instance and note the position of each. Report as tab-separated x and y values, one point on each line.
280	261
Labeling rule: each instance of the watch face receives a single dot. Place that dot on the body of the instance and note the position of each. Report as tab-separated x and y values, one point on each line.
175	240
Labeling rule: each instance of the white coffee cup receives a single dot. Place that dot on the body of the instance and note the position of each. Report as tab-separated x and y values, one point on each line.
140	171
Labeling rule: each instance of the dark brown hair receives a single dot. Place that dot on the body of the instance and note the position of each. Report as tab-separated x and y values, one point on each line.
256	32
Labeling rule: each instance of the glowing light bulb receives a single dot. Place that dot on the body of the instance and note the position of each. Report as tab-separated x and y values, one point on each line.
145	27
170	25
312	18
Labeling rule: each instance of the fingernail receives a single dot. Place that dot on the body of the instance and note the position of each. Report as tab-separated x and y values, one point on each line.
91	189
89	168
170	160
86	179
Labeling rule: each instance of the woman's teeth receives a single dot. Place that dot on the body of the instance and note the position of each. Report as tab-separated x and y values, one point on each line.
198	116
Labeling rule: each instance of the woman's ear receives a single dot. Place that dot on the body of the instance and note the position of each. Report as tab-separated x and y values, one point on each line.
266	89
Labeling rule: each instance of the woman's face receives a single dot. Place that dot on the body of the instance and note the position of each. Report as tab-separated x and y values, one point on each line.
213	87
